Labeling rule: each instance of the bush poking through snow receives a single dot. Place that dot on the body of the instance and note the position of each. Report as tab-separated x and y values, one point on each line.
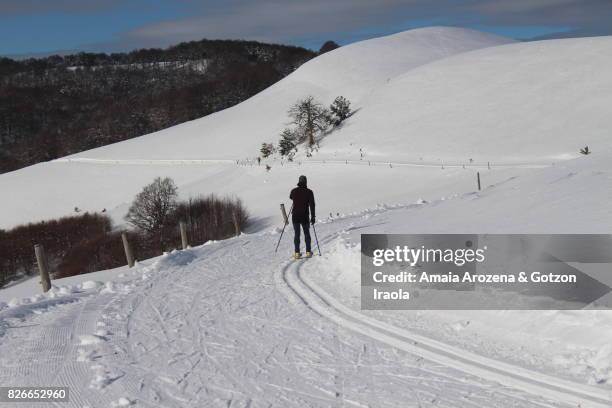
266	149
86	243
208	218
287	143
60	237
340	110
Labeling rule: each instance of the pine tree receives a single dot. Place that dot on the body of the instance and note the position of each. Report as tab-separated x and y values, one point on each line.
287	142
310	118
266	149
340	109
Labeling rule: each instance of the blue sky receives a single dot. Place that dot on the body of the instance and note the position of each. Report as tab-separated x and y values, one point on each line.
43	26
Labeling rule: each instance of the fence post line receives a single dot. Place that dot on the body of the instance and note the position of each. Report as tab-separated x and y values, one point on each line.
236	222
284	212
128	250
43	267
478	179
184	240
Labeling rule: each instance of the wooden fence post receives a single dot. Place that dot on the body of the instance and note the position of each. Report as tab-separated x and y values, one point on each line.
128	250
43	267
184	240
478	179
236	222
285	218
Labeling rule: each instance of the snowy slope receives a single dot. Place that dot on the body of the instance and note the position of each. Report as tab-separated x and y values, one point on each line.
534	102
231	323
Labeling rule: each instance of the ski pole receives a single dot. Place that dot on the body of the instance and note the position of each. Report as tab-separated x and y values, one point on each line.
316	239
283	231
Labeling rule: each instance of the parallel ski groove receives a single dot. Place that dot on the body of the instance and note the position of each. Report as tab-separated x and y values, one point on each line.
515	377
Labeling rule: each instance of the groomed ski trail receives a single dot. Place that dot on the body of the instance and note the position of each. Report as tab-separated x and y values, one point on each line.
230	324
552	388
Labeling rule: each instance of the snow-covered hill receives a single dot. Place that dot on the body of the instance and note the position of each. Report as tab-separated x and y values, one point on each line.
354	71
534	102
434	96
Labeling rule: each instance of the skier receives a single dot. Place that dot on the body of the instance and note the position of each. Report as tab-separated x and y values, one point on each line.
303	201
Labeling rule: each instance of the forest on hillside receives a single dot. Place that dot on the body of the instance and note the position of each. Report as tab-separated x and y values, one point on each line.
59	105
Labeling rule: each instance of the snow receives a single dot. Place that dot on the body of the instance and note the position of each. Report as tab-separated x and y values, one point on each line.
224	325
231	323
88	340
122	402
114	279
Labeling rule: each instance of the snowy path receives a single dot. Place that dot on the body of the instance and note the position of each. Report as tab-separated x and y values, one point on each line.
513	376
363	162
223	325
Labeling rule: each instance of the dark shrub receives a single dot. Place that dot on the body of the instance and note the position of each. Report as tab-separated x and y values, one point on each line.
86	243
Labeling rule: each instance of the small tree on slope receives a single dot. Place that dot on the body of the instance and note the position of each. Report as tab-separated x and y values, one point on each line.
340	109
287	142
266	149
310	117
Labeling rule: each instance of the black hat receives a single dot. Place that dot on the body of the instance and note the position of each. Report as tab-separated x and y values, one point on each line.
302	181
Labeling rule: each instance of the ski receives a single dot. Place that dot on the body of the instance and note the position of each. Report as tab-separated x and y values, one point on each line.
298	256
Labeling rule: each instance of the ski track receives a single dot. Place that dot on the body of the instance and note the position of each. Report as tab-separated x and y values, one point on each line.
175	162
539	384
231	325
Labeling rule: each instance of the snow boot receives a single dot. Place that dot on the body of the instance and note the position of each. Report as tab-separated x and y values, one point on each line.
308	254
297	255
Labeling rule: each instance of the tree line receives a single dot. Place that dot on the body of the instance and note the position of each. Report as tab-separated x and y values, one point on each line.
59	105
89	242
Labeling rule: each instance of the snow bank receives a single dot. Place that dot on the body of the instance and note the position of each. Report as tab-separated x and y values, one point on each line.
90	339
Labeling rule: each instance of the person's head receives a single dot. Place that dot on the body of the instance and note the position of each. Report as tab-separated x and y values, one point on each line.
302	181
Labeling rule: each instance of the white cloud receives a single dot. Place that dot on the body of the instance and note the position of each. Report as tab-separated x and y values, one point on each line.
12	7
273	20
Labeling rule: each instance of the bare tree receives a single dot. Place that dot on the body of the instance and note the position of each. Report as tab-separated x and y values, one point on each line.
310	117
153	206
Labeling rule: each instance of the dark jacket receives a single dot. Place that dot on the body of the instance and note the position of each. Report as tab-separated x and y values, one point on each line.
303	200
